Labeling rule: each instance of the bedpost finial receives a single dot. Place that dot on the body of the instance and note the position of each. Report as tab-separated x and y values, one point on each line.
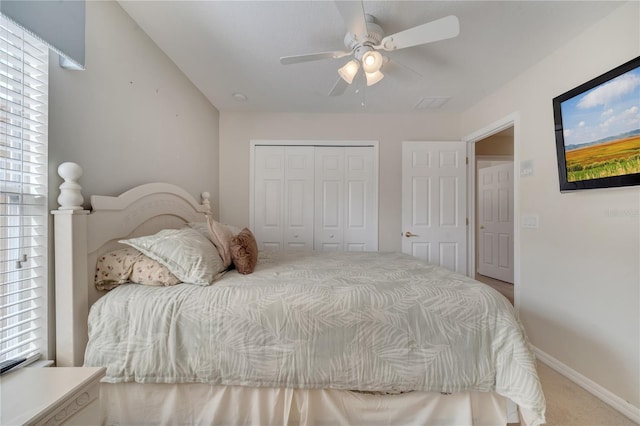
205	201
70	197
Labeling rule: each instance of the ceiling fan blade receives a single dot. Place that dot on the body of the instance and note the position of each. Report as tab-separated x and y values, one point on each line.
287	60
353	15
339	88
440	29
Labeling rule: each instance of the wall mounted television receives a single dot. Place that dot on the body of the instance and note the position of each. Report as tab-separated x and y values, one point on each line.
597	129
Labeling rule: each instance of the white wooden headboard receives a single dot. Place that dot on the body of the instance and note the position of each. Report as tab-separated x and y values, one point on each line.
80	236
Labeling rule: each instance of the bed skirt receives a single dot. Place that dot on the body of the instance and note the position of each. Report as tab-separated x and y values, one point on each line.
202	404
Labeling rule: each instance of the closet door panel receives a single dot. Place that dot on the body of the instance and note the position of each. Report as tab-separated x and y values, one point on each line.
329	198
360	231
268	196
298	202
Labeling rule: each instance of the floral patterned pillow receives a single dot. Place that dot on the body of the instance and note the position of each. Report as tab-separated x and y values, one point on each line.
129	265
151	272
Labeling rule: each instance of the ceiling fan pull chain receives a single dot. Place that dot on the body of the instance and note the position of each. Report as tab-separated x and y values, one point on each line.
364	92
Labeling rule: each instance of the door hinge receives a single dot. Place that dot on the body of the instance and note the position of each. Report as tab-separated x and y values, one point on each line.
467	221
467	160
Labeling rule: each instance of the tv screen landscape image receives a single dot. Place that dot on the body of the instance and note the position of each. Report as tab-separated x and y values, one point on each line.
597	128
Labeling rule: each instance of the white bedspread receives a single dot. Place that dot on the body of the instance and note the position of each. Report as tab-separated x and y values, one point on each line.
364	321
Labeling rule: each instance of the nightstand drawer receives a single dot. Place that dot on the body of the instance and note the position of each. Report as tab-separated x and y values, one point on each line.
51	396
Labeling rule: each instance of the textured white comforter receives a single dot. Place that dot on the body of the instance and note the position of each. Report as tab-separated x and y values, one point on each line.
363	321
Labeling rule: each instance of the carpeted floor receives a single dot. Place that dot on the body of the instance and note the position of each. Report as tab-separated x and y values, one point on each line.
570	405
503	287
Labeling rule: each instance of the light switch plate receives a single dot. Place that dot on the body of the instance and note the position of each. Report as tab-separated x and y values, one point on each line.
526	168
530	220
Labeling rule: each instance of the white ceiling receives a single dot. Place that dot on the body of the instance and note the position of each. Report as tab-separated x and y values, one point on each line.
226	47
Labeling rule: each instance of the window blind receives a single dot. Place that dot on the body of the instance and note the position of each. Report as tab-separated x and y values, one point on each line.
23	197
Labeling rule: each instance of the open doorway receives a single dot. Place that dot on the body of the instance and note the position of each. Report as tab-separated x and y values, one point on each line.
494	211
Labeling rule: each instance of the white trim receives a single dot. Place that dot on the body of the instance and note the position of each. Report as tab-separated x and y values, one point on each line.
43	363
589	385
471	208
511	120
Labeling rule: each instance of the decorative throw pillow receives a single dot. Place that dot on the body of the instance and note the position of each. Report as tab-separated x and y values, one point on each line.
188	254
244	251
129	265
114	268
151	272
221	236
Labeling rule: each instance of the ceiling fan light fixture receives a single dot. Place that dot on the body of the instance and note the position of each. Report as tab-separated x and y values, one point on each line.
349	71
371	61
373	77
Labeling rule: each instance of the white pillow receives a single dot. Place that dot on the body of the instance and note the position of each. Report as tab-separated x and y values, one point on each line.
188	254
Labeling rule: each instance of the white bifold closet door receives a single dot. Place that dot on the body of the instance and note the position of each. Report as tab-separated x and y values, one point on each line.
315	197
283	199
345	199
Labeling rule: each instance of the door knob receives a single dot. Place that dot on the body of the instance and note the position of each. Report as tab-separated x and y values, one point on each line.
408	234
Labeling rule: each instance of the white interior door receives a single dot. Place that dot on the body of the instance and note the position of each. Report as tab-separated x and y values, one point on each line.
495	222
434	203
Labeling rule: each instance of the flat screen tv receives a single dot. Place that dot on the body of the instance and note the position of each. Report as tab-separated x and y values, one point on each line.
597	127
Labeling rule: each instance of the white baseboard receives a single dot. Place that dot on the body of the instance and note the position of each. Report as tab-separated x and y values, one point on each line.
590	386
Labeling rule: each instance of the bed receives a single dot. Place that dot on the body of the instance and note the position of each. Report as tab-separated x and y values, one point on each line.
307	338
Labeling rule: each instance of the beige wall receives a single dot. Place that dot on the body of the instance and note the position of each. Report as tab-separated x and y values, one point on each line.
579	283
498	144
237	129
131	117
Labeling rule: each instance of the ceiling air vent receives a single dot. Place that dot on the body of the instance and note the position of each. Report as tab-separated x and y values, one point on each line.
433	102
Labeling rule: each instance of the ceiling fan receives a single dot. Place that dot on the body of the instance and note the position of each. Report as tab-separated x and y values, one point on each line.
365	38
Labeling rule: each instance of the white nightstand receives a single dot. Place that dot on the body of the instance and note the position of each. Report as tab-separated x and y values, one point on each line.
51	396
